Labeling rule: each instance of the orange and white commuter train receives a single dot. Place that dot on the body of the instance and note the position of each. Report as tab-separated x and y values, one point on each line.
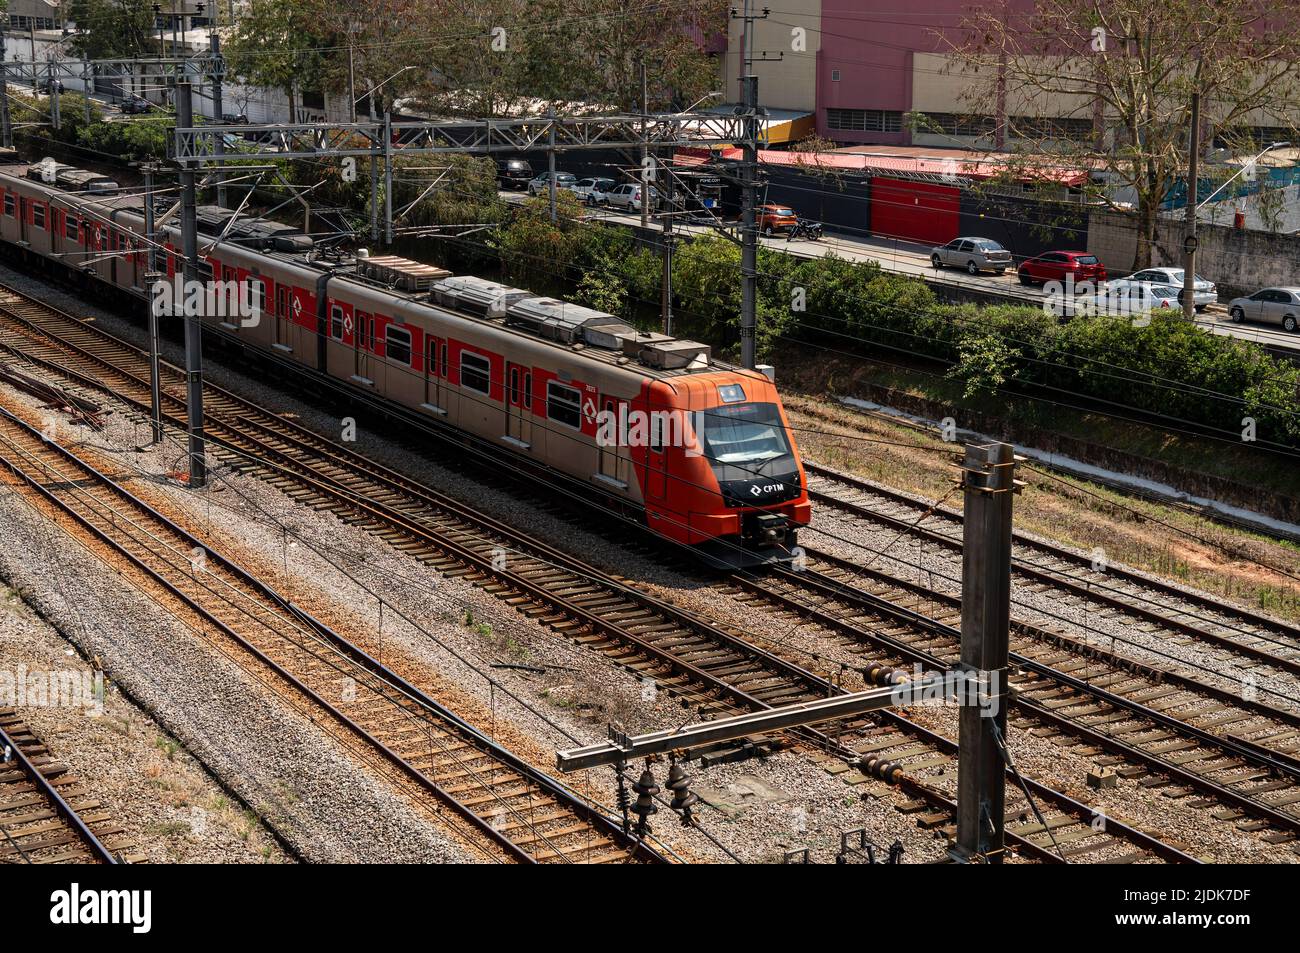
701	450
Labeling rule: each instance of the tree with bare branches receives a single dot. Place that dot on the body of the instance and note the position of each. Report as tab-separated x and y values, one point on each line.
1129	68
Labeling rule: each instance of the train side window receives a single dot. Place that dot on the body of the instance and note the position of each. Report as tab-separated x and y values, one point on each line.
365	329
397	345
336	328
9	205
514	385
528	389
564	404
475	372
442	361
259	294
70	227
656	433
38	214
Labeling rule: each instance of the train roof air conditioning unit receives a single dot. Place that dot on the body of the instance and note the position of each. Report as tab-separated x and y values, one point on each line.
568	323
667	353
488	299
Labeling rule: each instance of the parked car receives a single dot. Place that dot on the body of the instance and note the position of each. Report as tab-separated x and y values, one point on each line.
563	180
1056	265
514	173
136	105
1270	306
628	196
43	85
1134	299
234	119
973	254
594	191
775	218
1203	294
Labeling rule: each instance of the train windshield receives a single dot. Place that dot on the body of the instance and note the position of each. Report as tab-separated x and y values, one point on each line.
744	434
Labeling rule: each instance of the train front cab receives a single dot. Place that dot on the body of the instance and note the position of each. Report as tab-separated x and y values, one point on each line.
720	470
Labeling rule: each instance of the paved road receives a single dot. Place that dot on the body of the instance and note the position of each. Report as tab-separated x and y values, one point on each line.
912	258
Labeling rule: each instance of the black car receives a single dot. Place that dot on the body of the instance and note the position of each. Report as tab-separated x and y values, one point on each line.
43	86
514	173
234	119
134	105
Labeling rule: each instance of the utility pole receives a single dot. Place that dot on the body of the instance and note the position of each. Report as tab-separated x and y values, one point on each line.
749	187
645	151
748	227
85	85
374	192
1190	240
218	108
152	275
6	130
666	218
193	326
54	93
352	72
550	158
988	477
388	178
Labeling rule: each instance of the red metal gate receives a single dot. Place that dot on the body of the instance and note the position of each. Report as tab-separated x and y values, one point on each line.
916	211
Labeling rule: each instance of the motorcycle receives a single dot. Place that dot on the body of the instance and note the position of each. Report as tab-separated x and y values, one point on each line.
805	228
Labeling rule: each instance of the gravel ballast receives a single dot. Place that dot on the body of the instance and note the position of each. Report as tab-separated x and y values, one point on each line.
341	566
273	760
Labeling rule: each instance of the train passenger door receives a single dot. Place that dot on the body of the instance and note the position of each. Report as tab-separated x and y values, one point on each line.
519	404
283	316
435	372
656	464
363	344
611	435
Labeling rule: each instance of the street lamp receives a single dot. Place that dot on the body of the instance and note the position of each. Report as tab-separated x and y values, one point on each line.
706	96
371	93
1248	165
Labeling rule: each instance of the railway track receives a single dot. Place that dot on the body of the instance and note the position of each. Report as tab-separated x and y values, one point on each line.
47	814
710	668
517	811
1156	607
1173	734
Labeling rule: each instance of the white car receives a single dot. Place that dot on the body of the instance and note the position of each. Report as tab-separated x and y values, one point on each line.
1270	306
628	196
594	191
1204	293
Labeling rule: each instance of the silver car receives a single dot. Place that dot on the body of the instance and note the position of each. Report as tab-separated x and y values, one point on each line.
594	191
563	180
973	254
628	196
1270	306
1203	292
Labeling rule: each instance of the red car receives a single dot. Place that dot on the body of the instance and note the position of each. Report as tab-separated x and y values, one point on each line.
1055	265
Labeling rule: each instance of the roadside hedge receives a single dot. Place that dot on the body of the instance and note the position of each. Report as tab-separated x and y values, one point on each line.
1168	368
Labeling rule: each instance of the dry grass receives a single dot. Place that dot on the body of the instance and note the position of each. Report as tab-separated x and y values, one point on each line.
1221	560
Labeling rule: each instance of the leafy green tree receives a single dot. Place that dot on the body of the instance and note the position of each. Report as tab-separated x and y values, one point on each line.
279	44
1129	69
112	28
